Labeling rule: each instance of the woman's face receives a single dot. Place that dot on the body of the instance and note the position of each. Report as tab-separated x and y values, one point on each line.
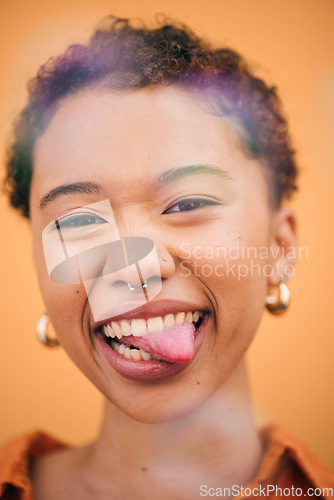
199	219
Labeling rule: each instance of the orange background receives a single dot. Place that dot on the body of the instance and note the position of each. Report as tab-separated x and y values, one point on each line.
291	43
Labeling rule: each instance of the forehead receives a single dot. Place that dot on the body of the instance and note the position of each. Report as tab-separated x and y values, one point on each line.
123	142
150	124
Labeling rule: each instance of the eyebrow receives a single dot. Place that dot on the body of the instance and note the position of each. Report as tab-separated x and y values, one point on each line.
75	187
171	175
174	174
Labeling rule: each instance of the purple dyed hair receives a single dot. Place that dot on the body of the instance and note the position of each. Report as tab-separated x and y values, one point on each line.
123	57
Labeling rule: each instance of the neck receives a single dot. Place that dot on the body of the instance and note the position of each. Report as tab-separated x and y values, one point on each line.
217	445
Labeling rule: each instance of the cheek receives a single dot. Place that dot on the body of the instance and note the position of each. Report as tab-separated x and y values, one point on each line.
226	258
64	303
232	276
66	306
231	267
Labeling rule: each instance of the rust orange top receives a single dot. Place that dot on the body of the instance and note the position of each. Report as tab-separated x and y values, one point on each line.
287	470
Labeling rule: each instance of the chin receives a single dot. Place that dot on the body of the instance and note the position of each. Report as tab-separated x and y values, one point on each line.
162	413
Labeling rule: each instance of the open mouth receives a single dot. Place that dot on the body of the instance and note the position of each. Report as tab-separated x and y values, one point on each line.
168	338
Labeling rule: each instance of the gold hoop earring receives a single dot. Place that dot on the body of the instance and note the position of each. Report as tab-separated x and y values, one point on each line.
278	299
41	330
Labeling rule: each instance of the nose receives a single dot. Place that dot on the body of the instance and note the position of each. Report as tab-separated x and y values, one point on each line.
138	267
127	273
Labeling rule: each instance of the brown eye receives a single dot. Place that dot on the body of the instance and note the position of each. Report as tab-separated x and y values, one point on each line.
81	220
189	204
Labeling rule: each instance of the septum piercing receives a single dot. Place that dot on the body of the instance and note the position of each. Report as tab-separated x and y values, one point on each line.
145	284
132	288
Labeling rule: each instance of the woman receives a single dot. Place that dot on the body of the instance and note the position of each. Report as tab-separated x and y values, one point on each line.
153	169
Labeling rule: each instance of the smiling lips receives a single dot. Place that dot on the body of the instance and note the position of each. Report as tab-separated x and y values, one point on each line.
168	338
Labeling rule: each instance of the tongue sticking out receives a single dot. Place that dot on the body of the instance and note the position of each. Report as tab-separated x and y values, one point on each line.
175	345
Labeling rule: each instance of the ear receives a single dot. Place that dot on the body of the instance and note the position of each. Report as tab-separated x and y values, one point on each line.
284	246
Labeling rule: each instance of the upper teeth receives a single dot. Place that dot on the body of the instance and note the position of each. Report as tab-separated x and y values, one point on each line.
140	327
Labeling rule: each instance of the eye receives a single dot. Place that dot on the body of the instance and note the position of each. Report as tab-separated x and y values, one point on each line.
188	204
80	220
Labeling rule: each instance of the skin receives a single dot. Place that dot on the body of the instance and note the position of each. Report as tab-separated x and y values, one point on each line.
89	139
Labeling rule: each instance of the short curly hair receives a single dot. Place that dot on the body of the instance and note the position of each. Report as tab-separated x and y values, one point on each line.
122	56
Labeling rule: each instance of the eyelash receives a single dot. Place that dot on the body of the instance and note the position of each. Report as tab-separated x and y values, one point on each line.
200	201
84	220
80	220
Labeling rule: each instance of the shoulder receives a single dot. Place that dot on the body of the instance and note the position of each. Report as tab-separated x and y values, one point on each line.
15	460
288	463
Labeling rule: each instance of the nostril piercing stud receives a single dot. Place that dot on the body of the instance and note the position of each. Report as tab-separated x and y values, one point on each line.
164	258
132	288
